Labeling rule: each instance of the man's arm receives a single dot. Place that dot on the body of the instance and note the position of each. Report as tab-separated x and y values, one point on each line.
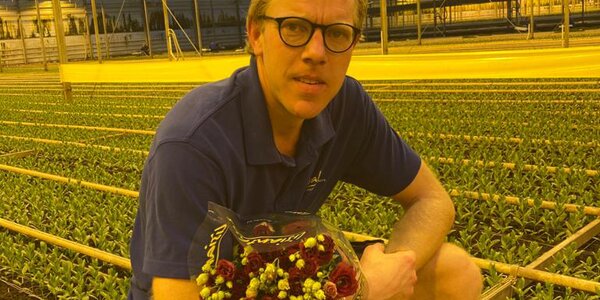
169	288
429	214
428	217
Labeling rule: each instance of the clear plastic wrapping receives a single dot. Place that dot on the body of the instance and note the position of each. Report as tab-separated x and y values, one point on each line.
273	256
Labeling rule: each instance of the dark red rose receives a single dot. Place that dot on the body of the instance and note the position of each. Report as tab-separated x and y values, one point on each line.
295	280
255	262
226	269
292	249
328	243
241	277
269	257
240	284
263	229
344	277
295	274
308	253
284	259
324	257
310	268
239	290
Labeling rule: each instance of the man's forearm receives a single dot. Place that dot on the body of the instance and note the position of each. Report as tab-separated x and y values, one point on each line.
423	227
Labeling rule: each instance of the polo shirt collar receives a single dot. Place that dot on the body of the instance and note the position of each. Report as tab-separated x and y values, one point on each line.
258	135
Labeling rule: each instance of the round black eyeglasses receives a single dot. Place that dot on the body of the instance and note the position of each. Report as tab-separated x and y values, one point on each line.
297	32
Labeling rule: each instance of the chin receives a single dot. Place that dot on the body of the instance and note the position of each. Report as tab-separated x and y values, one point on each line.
308	111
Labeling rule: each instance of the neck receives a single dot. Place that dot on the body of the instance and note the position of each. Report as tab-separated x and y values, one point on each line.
286	133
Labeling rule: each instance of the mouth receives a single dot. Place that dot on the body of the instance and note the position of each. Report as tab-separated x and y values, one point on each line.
309	81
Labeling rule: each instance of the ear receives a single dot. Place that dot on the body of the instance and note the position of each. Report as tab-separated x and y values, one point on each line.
255	32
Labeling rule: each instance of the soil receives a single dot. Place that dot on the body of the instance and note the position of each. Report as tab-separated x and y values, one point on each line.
12	292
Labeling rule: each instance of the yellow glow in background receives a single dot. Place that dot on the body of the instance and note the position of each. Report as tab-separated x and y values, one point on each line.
546	63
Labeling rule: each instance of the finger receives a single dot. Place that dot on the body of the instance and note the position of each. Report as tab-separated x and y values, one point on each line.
371	252
374	248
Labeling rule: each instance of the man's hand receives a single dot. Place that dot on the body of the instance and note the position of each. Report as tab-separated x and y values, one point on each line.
388	275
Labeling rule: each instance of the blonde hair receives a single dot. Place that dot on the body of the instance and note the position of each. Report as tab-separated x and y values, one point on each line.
258	9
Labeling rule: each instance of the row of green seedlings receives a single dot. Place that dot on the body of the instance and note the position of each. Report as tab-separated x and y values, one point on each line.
517	110
549	130
579	183
394	87
577	114
121	140
492	95
456	124
573	260
370	210
399	124
81	215
150	122
577	158
103	88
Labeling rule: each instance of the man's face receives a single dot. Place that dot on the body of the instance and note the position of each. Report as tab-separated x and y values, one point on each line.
299	82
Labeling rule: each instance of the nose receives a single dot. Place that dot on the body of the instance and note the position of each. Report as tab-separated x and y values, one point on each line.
315	52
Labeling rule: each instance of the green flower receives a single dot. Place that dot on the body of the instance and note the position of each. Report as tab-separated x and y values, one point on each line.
207	267
254	283
320	295
205	293
321	238
202	279
251	293
247	251
308	283
310	242
300	264
316	286
283	285
271	270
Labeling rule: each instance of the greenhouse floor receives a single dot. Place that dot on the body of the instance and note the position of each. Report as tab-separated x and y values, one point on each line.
10	291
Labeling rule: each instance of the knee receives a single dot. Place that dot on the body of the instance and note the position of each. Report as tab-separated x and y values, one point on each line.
460	271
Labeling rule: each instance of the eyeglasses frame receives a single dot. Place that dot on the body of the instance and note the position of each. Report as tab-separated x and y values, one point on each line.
314	26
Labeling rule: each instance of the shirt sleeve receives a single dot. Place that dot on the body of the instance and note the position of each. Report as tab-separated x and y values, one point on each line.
384	163
180	181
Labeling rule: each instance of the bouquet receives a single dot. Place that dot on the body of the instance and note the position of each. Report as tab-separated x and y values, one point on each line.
292	256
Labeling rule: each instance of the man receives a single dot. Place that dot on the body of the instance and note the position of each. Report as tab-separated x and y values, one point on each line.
257	141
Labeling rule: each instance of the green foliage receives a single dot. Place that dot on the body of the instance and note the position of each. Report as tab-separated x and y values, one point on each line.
556	120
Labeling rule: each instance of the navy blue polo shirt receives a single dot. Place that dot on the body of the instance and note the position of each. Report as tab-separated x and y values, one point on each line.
216	145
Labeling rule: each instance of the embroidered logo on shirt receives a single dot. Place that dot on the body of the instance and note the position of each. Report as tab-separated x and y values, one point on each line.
312	183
